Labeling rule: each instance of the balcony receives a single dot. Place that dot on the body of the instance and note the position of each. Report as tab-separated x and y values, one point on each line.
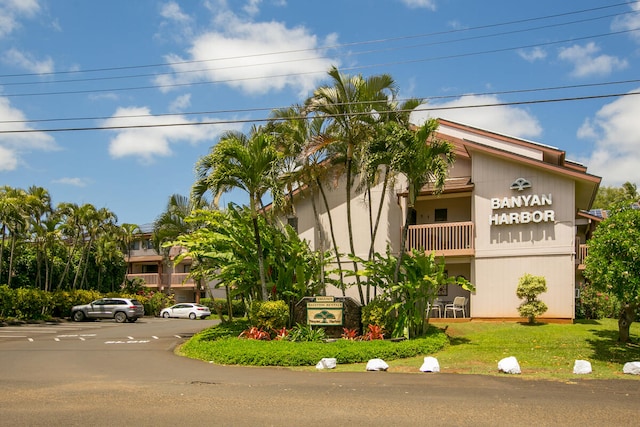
156	280
446	239
581	256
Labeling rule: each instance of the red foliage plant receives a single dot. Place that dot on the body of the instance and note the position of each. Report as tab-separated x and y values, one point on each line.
375	333
349	334
281	334
255	333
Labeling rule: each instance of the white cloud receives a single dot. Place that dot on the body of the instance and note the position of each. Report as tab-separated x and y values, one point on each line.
8	159
415	4
75	182
12	11
147	143
180	103
28	62
587	62
629	22
176	25
508	120
615	129
531	55
14	144
236	53
252	7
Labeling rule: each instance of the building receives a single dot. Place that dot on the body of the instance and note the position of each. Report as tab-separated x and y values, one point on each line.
509	207
157	270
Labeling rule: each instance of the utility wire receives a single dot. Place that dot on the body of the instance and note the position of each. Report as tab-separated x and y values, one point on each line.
259	120
321	48
388	64
315	58
250	110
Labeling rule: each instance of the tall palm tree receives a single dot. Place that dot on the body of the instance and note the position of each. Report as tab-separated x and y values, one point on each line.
246	162
38	207
14	218
353	103
423	159
304	142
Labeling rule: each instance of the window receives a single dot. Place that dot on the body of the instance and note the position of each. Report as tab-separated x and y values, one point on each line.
440	215
148	244
293	222
135	245
146	269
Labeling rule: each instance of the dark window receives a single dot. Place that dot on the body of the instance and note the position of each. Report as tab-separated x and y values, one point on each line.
148	244
440	215
146	269
293	222
413	216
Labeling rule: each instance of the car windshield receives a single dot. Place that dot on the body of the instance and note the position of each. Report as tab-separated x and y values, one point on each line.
135	302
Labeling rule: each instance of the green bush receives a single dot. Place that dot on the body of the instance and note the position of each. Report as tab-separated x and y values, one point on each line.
529	287
269	315
220	305
593	304
234	351
306	333
375	313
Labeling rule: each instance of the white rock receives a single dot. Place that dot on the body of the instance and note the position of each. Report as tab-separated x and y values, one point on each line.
509	365
430	364
582	367
327	363
377	365
631	368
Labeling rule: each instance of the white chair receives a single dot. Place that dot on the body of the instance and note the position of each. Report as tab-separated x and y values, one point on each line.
459	304
435	306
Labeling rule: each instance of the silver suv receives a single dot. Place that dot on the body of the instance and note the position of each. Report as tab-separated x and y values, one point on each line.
120	309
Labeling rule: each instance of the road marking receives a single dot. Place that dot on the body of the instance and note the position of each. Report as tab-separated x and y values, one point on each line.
13	336
56	339
127	342
154	337
30	339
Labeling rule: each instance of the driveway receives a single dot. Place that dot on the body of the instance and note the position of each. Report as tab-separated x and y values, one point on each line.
103	373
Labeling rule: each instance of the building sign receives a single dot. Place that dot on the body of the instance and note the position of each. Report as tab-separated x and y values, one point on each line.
325	312
522	209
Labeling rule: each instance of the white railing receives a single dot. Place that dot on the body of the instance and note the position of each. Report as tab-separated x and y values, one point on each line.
453	238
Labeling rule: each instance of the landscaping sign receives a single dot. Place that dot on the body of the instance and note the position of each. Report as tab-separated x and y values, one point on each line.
325	312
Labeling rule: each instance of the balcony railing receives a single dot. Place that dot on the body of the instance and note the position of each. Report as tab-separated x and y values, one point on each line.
174	280
582	255
448	239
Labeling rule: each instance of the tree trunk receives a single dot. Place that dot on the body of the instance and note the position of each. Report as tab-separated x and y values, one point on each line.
627	316
333	235
349	223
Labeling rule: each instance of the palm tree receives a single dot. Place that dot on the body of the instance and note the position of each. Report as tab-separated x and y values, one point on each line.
14	218
247	162
353	103
172	223
423	159
304	142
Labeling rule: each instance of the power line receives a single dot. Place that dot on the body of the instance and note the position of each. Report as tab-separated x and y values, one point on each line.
351	54
260	120
250	110
321	48
412	61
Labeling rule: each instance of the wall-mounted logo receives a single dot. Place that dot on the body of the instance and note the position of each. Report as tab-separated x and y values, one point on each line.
520	184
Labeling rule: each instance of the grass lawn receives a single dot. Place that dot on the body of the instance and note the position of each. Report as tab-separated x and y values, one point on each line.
544	351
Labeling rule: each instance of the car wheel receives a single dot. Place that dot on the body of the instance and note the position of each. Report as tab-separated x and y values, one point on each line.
166	315
120	317
77	316
192	316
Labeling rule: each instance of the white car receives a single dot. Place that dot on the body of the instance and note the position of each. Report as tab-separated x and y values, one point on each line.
187	310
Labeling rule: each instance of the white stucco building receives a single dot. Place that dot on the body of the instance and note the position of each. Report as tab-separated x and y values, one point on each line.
510	207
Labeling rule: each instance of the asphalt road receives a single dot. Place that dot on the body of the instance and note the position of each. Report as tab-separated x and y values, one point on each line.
103	373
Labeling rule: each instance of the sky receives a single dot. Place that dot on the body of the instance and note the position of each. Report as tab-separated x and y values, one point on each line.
112	103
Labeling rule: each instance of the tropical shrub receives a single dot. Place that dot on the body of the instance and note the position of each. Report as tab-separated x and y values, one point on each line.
529	287
306	333
594	304
375	313
269	315
219	305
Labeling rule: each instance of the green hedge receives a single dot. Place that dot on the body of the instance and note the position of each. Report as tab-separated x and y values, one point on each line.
33	304
231	350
